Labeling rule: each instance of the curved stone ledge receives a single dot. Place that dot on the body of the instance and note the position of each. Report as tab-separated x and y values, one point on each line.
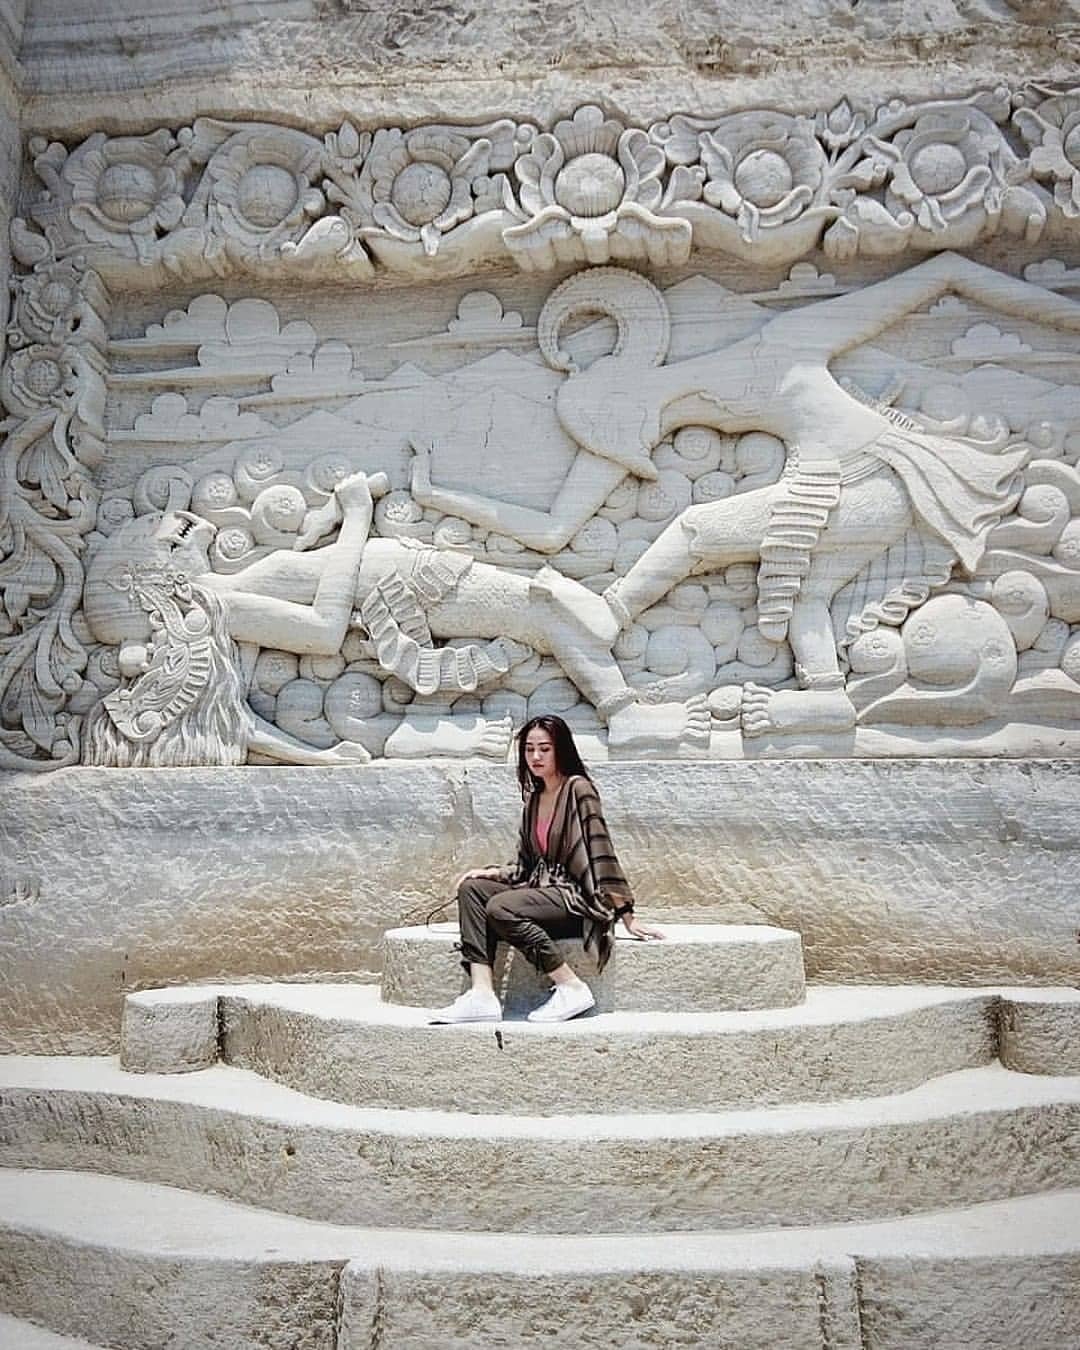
977	1135
968	1278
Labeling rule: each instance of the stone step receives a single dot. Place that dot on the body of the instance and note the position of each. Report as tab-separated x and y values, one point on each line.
146	1266
342	1042
977	1135
697	968
17	1334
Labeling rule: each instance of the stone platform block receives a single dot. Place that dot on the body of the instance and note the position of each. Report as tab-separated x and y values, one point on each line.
960	1140
1039	1030
697	968
169	1030
342	1043
995	1276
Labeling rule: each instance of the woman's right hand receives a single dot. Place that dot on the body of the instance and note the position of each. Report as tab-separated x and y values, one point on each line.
476	874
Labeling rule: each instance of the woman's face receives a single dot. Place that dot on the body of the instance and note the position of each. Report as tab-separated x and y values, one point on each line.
540	755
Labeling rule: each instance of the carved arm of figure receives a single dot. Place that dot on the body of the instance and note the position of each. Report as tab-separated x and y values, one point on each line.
258	612
830	327
584	490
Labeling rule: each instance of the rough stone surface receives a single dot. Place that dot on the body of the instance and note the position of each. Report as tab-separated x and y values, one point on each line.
341	1044
972	1136
1035	1033
697	968
958	873
743	1291
169	1031
317	58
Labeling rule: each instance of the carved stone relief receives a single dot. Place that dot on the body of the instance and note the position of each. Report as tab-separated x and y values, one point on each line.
835	514
221	198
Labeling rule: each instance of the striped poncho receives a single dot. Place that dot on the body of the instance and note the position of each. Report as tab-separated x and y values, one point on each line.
580	861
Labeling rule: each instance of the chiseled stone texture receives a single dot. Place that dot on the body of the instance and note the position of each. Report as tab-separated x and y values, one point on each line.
910	871
118	62
805	1306
697	968
12	13
977	1135
341	1044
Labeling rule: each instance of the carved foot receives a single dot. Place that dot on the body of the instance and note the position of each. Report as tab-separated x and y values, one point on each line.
786	710
419	737
648	728
345	752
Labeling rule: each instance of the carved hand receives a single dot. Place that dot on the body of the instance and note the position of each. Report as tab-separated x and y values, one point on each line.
420	483
355	492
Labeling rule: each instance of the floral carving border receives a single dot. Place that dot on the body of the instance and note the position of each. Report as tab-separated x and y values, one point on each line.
218	197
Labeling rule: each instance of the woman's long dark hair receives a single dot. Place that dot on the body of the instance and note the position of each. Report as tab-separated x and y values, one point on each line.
567	760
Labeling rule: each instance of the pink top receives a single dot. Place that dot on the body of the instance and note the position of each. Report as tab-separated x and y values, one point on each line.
543	829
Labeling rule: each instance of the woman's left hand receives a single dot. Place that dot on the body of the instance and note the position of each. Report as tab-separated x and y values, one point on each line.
642	931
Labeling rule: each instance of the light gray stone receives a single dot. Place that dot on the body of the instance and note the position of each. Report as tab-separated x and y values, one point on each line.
342	1044
696	968
1039	1033
90	1236
169	1031
281	873
977	1135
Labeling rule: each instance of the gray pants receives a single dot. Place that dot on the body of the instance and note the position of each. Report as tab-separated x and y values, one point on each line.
491	912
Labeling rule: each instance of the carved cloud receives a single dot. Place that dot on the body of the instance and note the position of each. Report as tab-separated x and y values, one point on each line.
1052	273
984	341
219	419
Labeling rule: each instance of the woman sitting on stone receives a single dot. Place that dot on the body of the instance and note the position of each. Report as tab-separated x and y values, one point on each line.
566	883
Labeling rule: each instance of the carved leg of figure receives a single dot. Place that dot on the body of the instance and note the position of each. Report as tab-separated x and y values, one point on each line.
717	533
420	737
822	704
278	745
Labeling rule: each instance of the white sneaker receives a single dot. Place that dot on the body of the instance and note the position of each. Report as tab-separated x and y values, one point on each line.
474	1005
566	1001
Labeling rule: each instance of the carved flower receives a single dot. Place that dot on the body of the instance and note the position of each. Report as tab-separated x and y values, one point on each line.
943	167
421	183
764	169
587	183
48	304
261	188
1053	132
840	127
39	377
126	191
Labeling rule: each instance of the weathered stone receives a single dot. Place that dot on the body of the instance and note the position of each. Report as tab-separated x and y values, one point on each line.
342	1044
696	968
968	1137
169	1031
298	873
91	1237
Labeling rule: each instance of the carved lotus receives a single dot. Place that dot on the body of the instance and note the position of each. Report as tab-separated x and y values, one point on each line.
590	187
1053	132
47	304
421	184
262	189
38	377
125	191
764	169
943	167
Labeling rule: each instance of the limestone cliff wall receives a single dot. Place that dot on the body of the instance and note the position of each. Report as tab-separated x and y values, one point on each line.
120	64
